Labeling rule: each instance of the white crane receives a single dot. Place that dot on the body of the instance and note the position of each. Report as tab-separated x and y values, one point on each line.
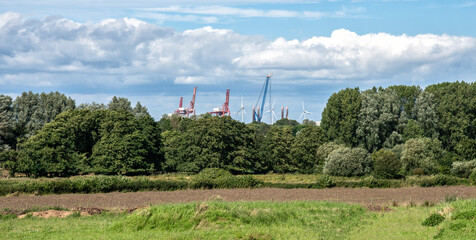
242	110
304	112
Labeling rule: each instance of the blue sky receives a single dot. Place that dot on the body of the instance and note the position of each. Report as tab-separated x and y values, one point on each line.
156	51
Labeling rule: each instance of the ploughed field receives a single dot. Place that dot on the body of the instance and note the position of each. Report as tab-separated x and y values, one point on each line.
132	200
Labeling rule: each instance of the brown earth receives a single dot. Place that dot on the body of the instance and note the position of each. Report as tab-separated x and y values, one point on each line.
364	196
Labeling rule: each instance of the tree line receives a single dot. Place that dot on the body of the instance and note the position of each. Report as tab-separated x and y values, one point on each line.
387	132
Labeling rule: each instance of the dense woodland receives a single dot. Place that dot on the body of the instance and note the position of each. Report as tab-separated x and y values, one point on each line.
385	132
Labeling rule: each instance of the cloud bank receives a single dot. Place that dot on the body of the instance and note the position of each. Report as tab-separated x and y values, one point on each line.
125	52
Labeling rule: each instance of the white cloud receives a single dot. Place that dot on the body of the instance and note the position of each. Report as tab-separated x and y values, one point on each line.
128	52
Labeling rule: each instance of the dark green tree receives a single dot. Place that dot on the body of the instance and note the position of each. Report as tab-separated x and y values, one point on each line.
127	145
211	142
340	116
456	111
407	96
140	111
6	123
304	148
278	145
386	164
119	103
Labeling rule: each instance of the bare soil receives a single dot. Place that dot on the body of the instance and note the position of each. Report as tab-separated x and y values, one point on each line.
133	200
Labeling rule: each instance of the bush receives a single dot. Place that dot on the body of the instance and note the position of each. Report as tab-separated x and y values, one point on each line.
433	220
463	169
440	180
213	173
348	162
325	181
421	153
472	177
386	164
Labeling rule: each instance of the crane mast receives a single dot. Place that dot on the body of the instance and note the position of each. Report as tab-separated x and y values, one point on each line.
264	92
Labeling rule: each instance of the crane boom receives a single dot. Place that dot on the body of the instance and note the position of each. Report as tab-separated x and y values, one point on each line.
264	91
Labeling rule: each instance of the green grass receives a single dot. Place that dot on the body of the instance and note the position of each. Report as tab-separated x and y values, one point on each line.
254	220
208	220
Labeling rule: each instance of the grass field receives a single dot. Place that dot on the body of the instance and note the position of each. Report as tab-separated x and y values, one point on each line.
253	220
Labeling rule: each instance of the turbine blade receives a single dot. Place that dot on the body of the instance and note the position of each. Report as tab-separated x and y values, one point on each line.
301	116
303	105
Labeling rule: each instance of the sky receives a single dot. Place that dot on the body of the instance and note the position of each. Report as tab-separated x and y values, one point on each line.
157	51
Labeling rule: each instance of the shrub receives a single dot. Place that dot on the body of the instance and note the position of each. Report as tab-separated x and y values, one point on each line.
472	177
433	220
421	153
463	169
325	181
386	164
324	150
440	180
348	162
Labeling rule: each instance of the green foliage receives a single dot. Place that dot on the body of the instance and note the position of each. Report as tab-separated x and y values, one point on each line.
348	162
140	111
413	129
425	114
466	148
324	150
32	111
380	118
278	145
386	164
438	180
433	220
463	169
100	141
339	118
126	145
421	153
119	103
305	147
212	142
407	96
456	110
325	181
6	123
472	177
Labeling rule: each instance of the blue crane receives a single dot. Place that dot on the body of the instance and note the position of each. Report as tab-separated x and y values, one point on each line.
258	114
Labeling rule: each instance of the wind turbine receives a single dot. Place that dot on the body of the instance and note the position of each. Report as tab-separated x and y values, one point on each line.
242	110
272	112
304	112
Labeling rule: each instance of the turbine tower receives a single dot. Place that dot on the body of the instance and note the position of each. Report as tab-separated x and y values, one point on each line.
242	110
271	110
304	112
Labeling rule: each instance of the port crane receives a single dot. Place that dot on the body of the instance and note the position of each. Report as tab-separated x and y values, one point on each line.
185	112
257	111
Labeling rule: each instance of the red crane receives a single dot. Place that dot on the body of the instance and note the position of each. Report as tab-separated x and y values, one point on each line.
225	109
185	112
191	108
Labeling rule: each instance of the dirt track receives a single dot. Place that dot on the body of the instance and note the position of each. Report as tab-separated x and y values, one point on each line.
117	200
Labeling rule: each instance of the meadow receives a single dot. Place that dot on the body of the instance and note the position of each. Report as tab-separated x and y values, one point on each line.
256	220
